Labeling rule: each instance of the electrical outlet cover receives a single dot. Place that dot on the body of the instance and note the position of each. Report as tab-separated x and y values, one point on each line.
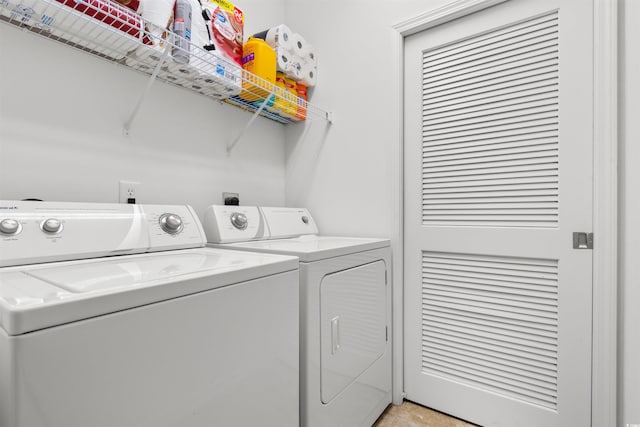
128	190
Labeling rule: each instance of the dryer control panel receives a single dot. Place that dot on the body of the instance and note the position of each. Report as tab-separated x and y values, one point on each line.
226	224
229	224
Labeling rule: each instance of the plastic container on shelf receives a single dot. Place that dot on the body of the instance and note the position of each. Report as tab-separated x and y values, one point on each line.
292	96
182	31
301	111
259	62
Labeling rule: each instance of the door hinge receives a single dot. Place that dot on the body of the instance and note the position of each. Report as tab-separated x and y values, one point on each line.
385	278
386	333
582	240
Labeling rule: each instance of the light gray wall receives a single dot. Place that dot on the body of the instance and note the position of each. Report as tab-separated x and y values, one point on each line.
343	173
629	247
61	130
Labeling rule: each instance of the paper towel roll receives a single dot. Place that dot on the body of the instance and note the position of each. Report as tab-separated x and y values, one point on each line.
158	12
277	37
309	74
311	57
300	46
145	58
283	59
294	70
181	71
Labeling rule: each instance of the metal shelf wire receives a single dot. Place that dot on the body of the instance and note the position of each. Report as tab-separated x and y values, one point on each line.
117	34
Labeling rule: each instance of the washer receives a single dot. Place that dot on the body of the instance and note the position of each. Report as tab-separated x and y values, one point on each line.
345	308
117	315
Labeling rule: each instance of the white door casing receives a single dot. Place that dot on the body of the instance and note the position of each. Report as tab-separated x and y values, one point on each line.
497	303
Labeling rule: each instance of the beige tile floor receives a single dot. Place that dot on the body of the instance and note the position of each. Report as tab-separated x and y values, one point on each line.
410	414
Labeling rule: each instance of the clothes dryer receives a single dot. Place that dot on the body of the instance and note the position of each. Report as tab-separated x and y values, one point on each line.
345	309
117	315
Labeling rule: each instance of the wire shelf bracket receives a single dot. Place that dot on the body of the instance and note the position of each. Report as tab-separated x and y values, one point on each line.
143	95
256	113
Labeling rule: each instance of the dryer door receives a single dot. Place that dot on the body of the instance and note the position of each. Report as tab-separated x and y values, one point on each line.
352	325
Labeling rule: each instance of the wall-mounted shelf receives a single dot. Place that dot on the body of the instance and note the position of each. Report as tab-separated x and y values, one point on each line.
115	33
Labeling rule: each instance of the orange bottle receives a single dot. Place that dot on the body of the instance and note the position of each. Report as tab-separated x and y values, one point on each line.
292	96
301	111
282	103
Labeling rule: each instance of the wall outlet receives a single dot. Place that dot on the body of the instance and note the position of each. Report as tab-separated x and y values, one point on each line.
231	199
128	191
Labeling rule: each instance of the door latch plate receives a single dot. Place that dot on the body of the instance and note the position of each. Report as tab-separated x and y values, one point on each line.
582	240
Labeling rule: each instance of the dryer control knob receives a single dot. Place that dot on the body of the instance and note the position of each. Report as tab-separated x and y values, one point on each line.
171	223
9	226
239	220
51	225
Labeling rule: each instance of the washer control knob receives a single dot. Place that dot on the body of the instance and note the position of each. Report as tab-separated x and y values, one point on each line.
51	225
9	226
239	220
171	223
305	219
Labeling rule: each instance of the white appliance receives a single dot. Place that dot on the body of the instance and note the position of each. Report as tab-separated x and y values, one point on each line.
345	308
117	315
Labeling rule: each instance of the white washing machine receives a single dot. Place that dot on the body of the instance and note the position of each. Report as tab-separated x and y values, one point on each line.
117	315
345	309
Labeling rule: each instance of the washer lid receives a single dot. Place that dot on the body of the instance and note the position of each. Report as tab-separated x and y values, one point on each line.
312	248
46	295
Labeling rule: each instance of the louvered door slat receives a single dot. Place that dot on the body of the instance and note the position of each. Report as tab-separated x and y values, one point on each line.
448	142
478	321
537	380
494	49
534	266
478	40
526	153
492	304
449	277
491	76
506	346
525	365
489	353
467	100
541	101
458	183
495	384
547	169
496	91
540	110
529	145
544	51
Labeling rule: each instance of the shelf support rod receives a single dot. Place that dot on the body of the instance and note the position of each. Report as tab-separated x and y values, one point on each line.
250	122
156	70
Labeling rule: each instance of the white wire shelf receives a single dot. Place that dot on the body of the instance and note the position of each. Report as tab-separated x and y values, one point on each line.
115	33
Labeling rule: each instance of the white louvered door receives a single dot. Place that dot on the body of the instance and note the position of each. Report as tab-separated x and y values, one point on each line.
498	175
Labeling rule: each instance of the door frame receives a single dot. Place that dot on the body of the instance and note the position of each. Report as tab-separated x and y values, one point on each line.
605	197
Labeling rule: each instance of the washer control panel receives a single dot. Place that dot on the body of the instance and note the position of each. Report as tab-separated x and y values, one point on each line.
34	232
172	227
